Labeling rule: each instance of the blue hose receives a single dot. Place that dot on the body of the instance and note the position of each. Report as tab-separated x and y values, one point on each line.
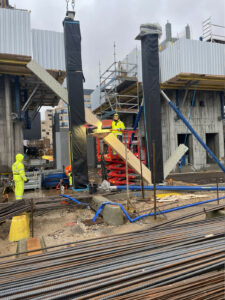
152	214
143	216
75	200
80	190
170	188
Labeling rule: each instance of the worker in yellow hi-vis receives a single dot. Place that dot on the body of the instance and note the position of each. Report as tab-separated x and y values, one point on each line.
19	176
117	127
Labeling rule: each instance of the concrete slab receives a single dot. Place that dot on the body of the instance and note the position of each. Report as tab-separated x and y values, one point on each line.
112	215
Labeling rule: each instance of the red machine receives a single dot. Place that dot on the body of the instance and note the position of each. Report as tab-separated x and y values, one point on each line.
114	165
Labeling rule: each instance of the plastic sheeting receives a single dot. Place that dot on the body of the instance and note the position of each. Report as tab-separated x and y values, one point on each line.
72	37
152	107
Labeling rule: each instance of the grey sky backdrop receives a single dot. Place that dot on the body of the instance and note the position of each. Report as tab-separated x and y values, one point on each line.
105	21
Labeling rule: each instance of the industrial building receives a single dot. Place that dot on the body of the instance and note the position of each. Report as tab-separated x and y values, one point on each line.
118	192
192	73
22	91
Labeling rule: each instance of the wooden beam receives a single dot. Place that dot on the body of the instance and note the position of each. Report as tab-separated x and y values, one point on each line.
174	159
58	89
90	118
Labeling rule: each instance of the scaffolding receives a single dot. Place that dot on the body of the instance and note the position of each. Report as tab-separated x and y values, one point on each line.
212	32
119	88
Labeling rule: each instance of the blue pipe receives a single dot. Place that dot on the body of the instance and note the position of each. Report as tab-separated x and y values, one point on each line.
169	188
178	99
75	200
108	114
152	214
138	117
193	132
189	118
222	105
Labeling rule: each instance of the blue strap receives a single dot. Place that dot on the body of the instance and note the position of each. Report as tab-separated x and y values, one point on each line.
75	200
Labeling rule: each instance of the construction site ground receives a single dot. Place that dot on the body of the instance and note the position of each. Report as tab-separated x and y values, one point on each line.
67	225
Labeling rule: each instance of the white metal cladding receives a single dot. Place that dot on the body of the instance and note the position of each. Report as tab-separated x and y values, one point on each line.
95	99
15	34
48	49
192	56
134	57
183	56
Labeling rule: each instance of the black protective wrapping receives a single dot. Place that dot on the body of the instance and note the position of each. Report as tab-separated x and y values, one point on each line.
152	105
74	75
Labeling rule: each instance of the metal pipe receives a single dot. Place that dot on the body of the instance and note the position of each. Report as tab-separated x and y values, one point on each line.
127	175
168	188
26	105
154	178
32	217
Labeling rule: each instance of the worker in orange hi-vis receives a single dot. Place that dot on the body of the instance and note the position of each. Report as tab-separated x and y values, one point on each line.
19	176
68	171
117	127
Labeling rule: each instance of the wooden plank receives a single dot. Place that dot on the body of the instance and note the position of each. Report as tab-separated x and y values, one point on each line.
174	159
32	244
50	81
58	89
15	58
91	118
112	141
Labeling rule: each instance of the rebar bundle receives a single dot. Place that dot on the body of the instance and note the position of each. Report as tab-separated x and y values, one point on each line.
8	210
147	264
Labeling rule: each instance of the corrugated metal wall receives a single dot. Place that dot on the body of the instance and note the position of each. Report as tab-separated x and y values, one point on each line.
16	25
95	99
192	56
16	37
48	49
184	56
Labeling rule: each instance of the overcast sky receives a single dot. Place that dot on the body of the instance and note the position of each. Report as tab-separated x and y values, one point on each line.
105	21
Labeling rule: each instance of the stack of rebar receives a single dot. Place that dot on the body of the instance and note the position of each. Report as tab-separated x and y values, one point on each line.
149	264
8	210
14	208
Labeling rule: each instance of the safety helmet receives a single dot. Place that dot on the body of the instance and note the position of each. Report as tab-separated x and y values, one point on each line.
115	115
19	157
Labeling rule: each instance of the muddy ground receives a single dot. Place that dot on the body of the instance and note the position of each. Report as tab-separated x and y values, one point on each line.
74	224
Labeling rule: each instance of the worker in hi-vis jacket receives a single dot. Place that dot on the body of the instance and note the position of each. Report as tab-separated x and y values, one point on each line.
117	127
19	176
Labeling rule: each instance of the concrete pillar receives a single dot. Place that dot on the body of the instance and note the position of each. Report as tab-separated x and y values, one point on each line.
18	137
168	31
9	125
3	144
187	32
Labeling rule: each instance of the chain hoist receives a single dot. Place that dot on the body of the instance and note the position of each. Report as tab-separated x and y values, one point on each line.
67	5
72	4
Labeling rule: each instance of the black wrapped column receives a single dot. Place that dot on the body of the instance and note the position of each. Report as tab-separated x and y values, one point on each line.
149	36
74	75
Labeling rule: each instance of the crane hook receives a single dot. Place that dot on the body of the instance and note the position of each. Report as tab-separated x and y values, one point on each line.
73	5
